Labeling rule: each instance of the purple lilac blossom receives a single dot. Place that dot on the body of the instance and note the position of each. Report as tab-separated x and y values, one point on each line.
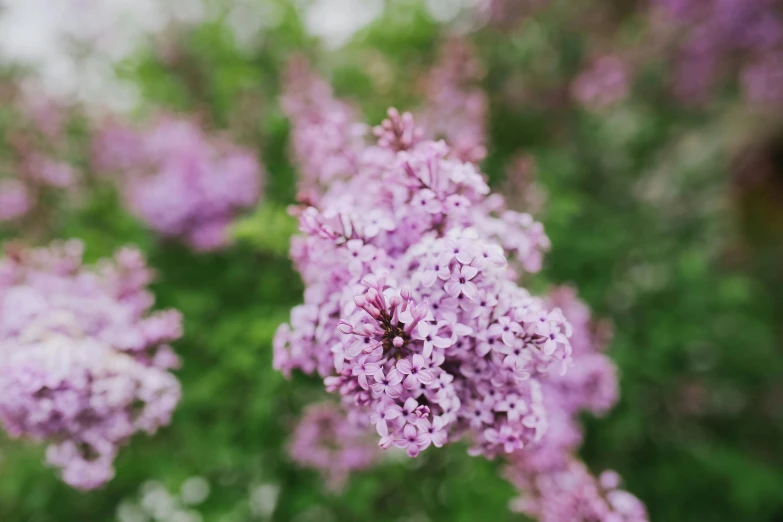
411	313
84	364
326	440
180	181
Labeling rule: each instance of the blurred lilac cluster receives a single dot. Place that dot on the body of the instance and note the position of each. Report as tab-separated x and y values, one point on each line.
455	106
714	35
32	165
180	181
326	440
602	84
572	494
554	485
326	137
83	363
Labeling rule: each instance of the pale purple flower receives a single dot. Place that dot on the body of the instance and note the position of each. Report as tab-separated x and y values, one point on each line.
506	329
433	432
513	406
387	384
360	253
479	414
428	334
460	249
415	370
412	440
460	282
383	414
487	343
516	355
426	200
505	437
365	368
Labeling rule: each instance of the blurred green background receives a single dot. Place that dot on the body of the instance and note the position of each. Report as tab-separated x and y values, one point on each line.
648	218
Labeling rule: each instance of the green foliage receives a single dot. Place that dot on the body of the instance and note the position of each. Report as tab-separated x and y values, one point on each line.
638	216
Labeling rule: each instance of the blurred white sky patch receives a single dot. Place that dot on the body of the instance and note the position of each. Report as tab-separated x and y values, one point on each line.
248	19
335	21
73	45
462	15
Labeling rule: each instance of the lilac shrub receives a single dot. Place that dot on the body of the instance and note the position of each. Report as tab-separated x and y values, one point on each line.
412	314
410	293
180	181
84	364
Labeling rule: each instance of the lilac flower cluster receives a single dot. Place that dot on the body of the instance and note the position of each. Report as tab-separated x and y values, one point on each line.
603	84
326	440
83	363
572	494
326	138
413	317
715	33
456	107
411	313
32	166
180	181
555	486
